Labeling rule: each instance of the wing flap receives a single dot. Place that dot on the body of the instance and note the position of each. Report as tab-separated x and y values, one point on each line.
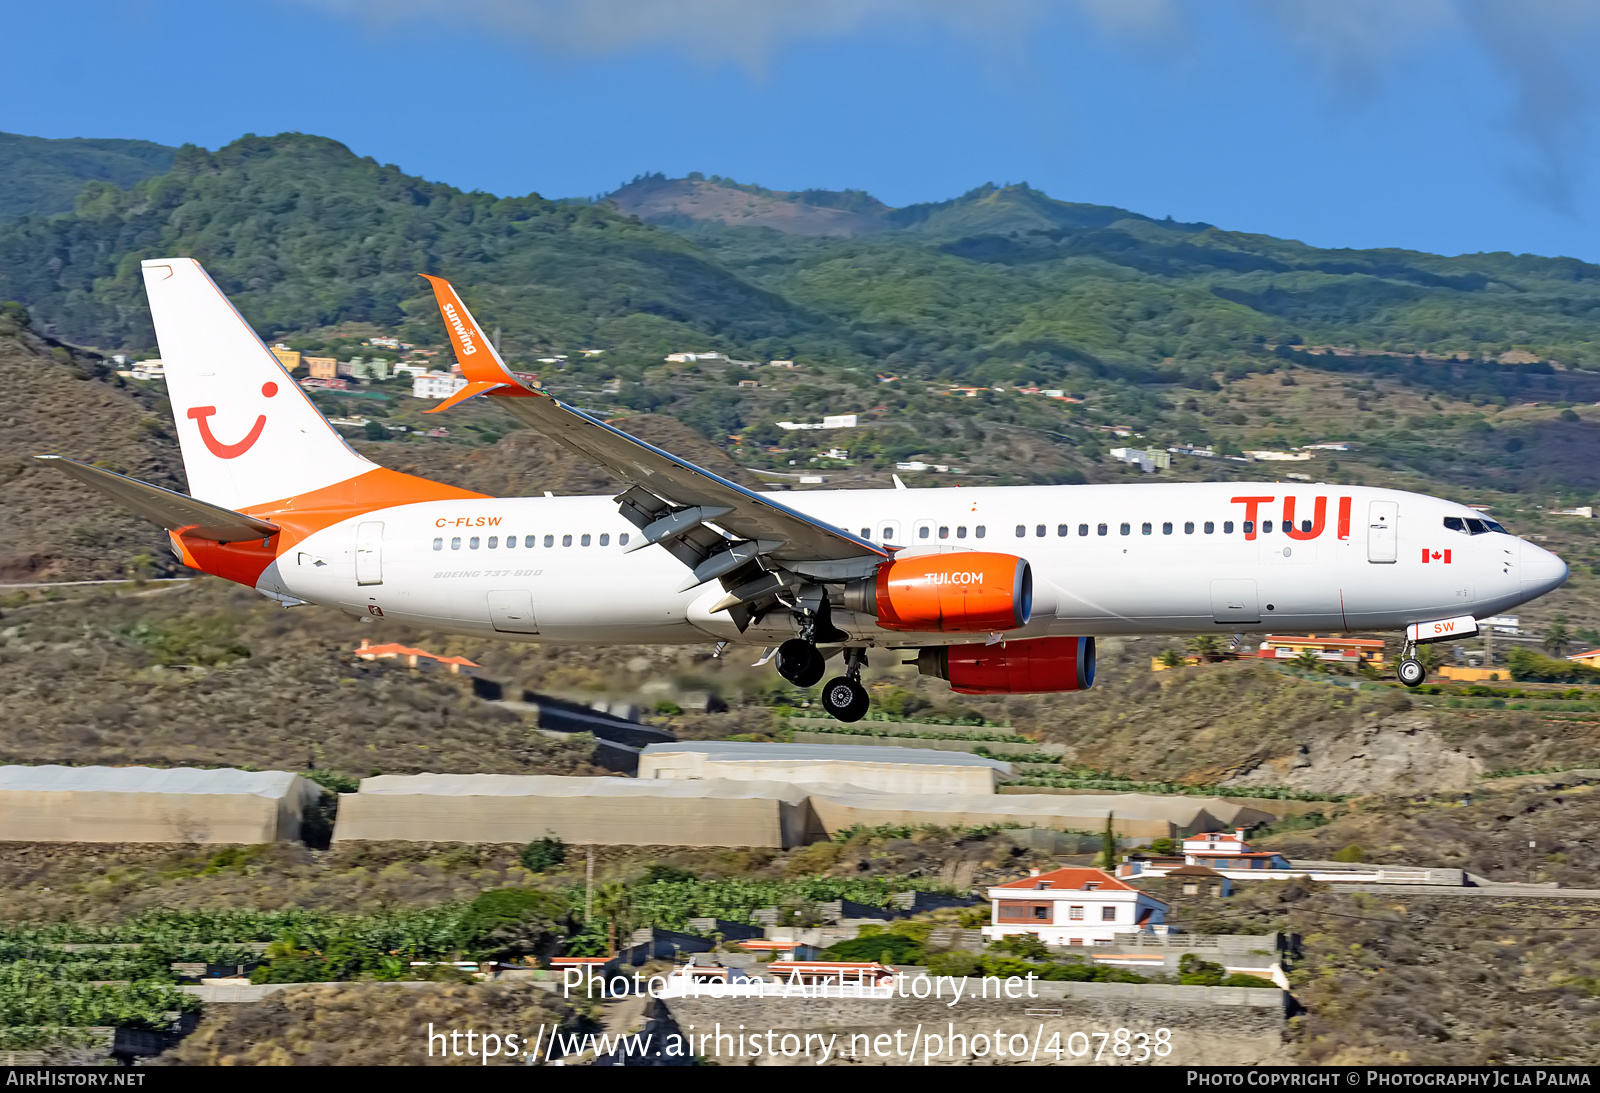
171	510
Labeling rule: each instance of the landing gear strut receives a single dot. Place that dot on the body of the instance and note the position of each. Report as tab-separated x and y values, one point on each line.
844	697
1410	670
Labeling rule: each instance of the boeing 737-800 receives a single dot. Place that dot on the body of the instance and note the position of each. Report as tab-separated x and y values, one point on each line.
998	589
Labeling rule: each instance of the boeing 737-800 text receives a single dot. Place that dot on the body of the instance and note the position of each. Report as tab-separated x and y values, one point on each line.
999	589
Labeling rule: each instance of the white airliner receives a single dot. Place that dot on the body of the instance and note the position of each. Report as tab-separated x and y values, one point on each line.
1000	589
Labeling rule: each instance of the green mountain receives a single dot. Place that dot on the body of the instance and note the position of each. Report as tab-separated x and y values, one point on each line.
302	234
43	176
1181	333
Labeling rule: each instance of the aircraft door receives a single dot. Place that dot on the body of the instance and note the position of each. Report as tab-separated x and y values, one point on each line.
1383	525
369	552
1234	601
511	612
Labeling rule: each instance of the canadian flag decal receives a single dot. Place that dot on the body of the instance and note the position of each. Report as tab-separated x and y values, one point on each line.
1435	556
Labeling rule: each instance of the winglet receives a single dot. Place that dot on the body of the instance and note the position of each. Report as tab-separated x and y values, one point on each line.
480	361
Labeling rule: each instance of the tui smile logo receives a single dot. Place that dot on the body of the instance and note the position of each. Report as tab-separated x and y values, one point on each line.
202	414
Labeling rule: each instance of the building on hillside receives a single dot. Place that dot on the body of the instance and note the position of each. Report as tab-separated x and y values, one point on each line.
326	384
322	368
1589	657
415	658
289	358
845	767
1199	880
1072	907
1267	456
436	385
1148	462
1336	650
354	368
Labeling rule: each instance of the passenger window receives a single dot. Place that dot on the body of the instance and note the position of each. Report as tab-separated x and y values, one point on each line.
961	532
1305	525
605	538
566	540
1021	531
455	544
1249	526
1102	529
1227	527
866	533
585	540
511	541
1061	530
622	540
549	540
494	542
922	532
1083	529
1210	527
1266	526
1127	529
944	531
472	543
438	544
1144	529
980	530
529	541
1188	527
1039	531
888	533
1166	528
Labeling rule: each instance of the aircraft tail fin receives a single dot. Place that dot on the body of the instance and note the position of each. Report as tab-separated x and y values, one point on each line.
250	436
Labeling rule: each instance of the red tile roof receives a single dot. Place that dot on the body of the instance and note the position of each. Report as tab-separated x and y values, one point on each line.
394	649
1070	879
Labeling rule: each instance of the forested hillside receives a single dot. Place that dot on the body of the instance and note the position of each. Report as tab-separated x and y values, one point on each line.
44	176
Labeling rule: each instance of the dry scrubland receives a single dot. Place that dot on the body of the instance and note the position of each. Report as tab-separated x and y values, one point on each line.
1436	980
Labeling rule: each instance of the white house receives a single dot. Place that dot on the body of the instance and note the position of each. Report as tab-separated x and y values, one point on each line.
436	385
1071	906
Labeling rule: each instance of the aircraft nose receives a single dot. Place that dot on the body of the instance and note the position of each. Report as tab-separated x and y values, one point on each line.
1541	570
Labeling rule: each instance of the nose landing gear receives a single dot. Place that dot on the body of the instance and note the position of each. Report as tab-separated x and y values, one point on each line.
844	697
1410	671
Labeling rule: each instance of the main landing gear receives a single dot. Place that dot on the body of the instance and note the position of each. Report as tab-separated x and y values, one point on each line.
1410	670
844	697
800	662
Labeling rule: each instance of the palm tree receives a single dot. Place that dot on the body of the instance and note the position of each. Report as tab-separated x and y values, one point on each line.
1307	661
1556	637
1171	658
1207	647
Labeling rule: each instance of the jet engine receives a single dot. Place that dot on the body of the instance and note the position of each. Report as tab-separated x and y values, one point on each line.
964	592
1014	667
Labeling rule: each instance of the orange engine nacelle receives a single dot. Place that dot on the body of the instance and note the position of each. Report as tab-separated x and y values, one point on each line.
964	592
1015	667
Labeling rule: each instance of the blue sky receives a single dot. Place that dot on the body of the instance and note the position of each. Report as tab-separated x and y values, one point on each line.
1441	125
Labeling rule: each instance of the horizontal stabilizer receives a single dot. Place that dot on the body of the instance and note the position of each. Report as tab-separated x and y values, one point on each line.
171	510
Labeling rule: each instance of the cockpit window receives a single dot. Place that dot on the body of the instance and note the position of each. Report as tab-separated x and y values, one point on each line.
1469	525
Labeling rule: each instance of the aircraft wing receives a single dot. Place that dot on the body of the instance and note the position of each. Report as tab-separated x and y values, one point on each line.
669	499
171	510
